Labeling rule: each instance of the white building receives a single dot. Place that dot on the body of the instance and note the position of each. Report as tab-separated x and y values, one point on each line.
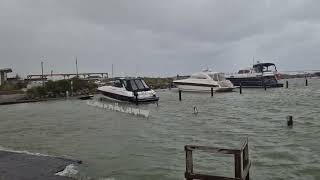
3	75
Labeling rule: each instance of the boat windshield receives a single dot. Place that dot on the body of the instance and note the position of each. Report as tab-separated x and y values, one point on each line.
136	85
218	77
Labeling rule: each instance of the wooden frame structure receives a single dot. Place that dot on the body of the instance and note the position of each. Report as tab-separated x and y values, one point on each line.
242	163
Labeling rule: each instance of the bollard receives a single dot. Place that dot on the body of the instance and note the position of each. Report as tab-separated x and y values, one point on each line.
290	121
136	97
240	88
180	95
287	84
211	92
306	81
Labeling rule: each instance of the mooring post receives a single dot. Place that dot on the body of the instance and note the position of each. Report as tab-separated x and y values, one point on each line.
290	121
306	81
211	92
136	97
180	98
287	84
240	87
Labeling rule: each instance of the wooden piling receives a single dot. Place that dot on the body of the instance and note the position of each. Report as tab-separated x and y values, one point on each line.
287	84
290	121
306	81
240	87
180	98
211	92
136	98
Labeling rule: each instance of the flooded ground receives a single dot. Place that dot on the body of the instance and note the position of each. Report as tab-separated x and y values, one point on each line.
120	146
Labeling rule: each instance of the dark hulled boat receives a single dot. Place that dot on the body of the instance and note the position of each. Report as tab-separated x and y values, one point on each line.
259	76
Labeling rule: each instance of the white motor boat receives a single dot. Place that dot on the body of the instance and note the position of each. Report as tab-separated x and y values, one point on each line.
129	89
204	81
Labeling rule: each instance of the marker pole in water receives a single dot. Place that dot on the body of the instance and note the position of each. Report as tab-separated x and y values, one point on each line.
136	97
287	84
240	87
306	81
180	98
289	121
211	92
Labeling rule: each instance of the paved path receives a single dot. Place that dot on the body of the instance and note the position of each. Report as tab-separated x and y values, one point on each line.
20	166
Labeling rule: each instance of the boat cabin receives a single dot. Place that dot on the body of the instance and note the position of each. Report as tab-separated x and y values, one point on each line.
209	75
131	84
264	67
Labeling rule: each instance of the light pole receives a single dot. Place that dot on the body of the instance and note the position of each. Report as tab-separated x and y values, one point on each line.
42	73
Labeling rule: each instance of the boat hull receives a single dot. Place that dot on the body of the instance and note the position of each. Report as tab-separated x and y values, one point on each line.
199	88
256	82
128	98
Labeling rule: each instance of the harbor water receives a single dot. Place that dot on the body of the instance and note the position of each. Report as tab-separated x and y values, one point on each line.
121	146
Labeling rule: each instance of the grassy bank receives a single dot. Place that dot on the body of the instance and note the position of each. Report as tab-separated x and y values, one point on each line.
55	89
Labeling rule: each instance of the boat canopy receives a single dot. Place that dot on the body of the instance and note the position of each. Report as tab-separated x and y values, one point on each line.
132	84
209	75
264	67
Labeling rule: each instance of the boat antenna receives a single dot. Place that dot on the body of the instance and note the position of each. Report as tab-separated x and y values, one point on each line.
77	66
112	70
252	60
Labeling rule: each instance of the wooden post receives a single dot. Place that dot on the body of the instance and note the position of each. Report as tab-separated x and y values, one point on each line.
237	165
290	121
136	97
189	162
265	86
287	84
211	92
180	98
240	87
245	159
306	81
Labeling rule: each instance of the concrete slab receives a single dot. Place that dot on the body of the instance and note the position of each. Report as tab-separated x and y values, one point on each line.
21	166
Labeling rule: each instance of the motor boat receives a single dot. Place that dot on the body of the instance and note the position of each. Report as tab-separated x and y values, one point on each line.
259	76
204	81
129	89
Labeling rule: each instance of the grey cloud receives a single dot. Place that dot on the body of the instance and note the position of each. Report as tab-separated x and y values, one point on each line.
157	38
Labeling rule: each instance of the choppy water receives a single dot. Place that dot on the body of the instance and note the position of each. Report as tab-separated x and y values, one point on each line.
120	146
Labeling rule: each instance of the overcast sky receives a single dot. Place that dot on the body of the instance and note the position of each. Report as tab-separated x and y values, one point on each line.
158	37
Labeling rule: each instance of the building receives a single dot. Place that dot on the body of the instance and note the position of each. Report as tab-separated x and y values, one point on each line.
3	75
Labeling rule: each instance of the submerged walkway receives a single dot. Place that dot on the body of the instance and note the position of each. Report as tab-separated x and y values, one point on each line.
20	166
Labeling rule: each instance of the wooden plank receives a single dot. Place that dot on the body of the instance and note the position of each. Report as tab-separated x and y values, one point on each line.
208	177
212	149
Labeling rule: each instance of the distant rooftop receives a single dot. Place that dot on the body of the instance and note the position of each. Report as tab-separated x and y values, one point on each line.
6	70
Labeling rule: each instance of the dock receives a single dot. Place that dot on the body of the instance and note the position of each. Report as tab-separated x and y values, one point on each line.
22	166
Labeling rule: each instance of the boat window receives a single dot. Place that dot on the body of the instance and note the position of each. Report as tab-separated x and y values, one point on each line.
145	84
139	84
117	83
198	76
133	85
244	71
221	77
